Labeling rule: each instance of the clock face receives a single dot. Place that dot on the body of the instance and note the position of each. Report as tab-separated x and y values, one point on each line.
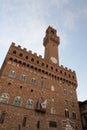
54	60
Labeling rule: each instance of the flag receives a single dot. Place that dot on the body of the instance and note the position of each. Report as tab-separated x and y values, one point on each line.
44	104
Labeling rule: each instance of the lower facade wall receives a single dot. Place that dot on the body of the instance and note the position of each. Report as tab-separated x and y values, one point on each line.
15	115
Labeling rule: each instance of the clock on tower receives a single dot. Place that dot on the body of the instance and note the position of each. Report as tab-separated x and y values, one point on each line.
51	42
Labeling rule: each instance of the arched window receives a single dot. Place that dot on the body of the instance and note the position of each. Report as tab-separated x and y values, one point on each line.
2	116
67	113
11	74
53	111
52	88
42	84
33	81
65	92
4	98
17	101
29	104
66	102
23	78
74	115
14	52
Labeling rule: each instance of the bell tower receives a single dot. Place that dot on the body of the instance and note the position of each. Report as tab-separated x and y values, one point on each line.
51	42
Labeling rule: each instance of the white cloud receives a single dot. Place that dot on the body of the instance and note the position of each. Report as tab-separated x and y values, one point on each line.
72	18
63	40
60	3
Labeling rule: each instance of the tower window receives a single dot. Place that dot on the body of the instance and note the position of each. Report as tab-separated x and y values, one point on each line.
14	52
2	116
20	54
53	124
38	124
17	101
4	98
11	74
56	70
37	62
11	58
26	57
19	127
65	92
27	65
20	62
73	77
29	104
69	75
24	121
71	93
15	60
51	68
42	64
74	115
24	63
66	113
52	88
73	104
66	102
21	87
32	59
41	84
53	111
46	65
33	81
23	78
65	73
32	90
61	71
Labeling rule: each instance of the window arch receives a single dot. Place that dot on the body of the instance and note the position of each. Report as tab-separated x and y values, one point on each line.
53	111
20	54
67	113
33	81
29	104
14	51
4	98
2	116
42	84
73	115
12	74
23	78
65	92
17	101
52	88
66	102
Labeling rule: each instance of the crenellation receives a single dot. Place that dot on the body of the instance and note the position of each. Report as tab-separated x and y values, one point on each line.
25	49
70	70
30	51
13	44
62	66
35	54
19	46
66	68
40	56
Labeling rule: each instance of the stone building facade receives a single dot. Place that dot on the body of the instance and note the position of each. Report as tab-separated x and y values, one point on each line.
83	113
37	93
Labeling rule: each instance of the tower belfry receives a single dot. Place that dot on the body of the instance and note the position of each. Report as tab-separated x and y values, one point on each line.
51	42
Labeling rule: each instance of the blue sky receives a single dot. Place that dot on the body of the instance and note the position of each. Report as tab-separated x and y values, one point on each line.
25	21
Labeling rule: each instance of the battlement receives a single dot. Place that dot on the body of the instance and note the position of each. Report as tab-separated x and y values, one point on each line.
20	50
26	58
23	50
13	45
